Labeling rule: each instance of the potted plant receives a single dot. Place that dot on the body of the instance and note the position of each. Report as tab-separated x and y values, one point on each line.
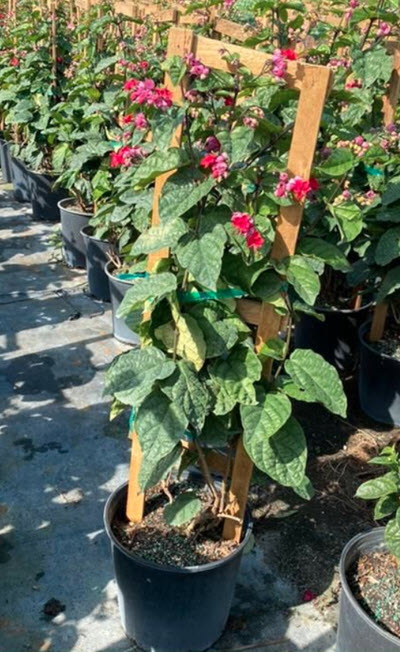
196	383
368	618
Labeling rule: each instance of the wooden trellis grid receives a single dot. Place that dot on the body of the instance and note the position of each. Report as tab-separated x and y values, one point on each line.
313	83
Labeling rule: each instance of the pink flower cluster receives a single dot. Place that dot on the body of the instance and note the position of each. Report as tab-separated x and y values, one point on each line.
126	156
217	163
228	4
14	61
139	120
353	83
298	187
195	67
339	63
146	92
134	67
358	145
279	60
384	29
244	224
353	4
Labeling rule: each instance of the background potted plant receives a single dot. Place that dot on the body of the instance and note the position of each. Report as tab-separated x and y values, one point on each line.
369	568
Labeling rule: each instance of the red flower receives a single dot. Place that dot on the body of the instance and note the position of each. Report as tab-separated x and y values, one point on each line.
254	239
144	65
289	54
228	101
208	160
242	222
314	185
14	62
128	119
59	59
212	144
308	595
130	84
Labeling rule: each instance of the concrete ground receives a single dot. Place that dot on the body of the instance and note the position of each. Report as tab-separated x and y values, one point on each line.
59	460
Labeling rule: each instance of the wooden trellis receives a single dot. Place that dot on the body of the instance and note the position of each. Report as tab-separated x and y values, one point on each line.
313	83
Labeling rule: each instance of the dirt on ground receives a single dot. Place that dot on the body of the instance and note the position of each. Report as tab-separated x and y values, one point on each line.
312	534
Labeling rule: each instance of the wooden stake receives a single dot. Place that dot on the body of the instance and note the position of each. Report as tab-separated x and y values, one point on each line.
316	83
179	44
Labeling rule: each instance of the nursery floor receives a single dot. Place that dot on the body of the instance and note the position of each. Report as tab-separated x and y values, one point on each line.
60	459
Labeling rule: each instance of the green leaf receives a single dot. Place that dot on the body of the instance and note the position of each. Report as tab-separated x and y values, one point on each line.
189	394
241	139
392	537
384	485
158	163
305	489
267	417
324	251
154	286
282	456
373	64
106	62
159	237
305	281
151	473
385	506
388	247
176	67
299	306
320	380
188	340
234	377
131	375
160	425
273	348
183	509
221	329
181	192
390	284
392	192
338	163
202	256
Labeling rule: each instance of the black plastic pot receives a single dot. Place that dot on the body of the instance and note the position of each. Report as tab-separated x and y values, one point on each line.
5	161
336	338
118	289
21	181
167	609
357	631
378	382
72	222
44	199
96	260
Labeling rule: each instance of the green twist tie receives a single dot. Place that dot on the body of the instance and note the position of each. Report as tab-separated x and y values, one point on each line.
193	297
131	277
374	172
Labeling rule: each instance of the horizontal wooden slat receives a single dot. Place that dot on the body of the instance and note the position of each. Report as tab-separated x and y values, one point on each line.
232	30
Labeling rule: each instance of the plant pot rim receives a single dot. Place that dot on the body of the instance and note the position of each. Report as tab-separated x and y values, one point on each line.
343	311
84	233
70	200
361	334
107	267
187	570
376	534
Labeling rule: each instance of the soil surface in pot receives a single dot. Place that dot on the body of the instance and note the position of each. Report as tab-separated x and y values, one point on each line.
390	343
153	539
73	207
375	582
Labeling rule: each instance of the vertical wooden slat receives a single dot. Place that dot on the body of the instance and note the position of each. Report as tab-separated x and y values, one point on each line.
315	87
180	43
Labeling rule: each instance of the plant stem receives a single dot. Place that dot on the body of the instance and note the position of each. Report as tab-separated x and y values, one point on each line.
205	469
